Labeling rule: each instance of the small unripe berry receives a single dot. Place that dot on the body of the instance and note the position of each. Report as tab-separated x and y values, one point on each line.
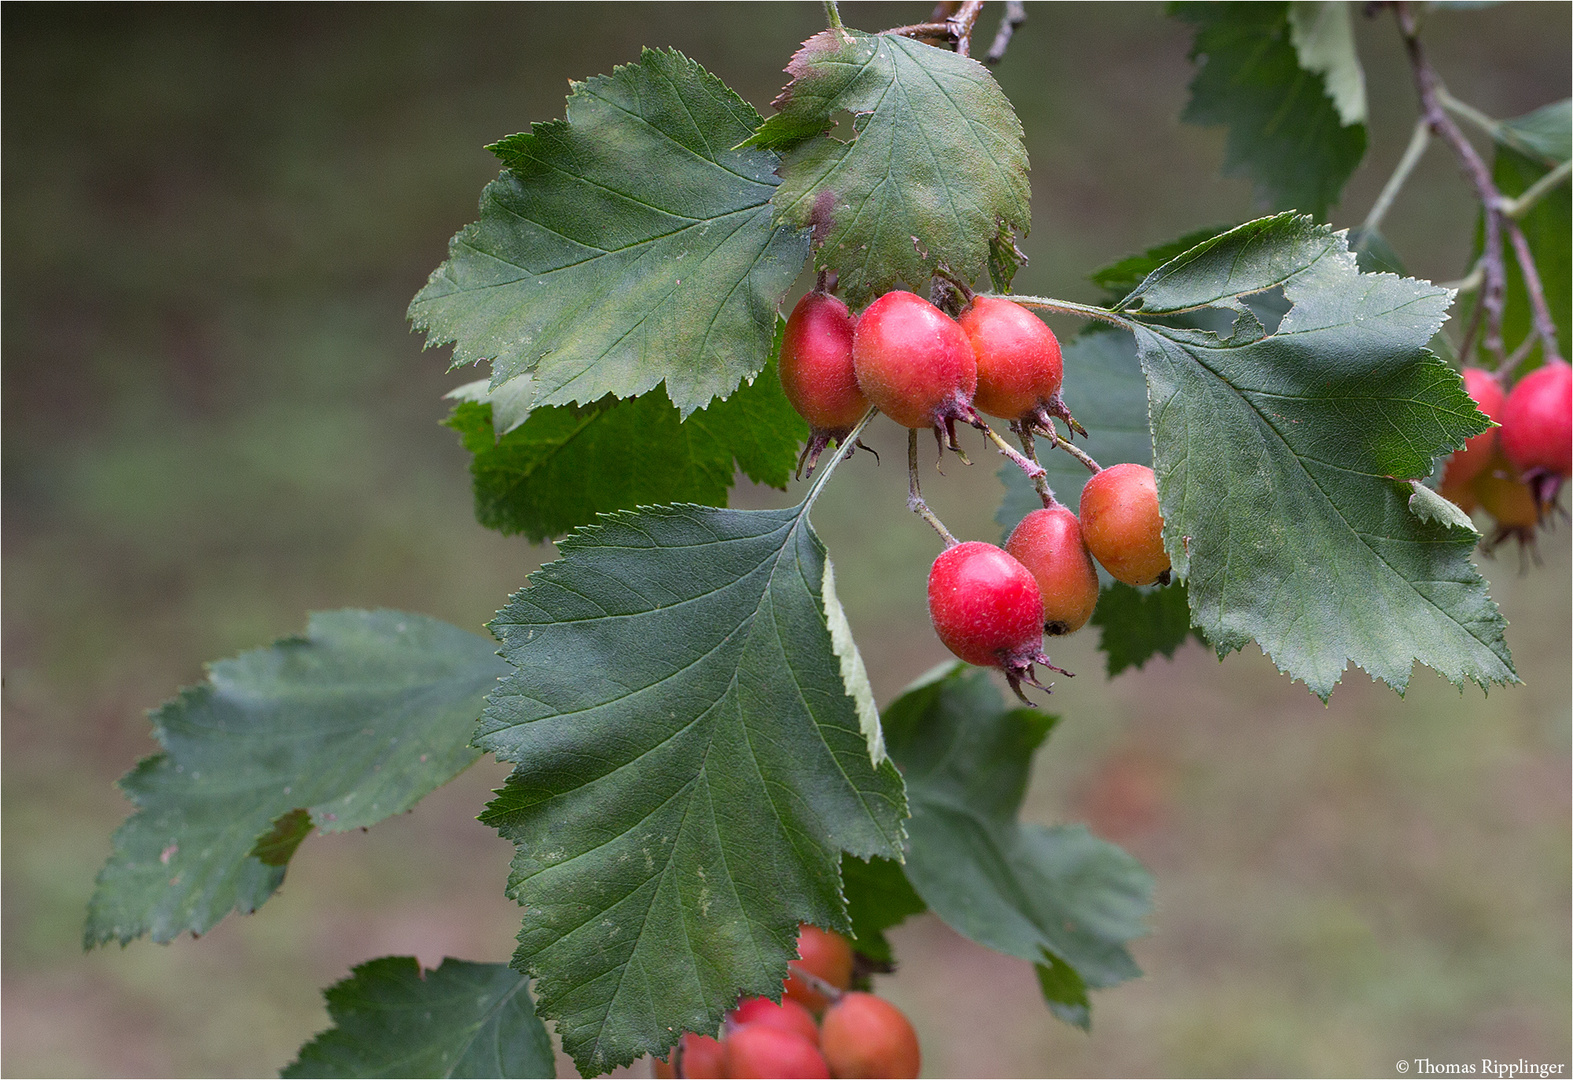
915	363
867	1036
697	1057
788	1015
1510	502
823	954
816	372
1121	524
1537	429
1466	463
759	1050
986	608
1019	364
1048	543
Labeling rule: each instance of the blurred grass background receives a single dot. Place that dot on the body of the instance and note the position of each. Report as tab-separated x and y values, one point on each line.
214	420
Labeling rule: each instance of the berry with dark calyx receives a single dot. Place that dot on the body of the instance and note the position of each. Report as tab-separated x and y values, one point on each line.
1019	364
697	1057
816	372
1537	429
1467	462
759	1050
1122	526
914	362
867	1036
1048	543
987	609
788	1015
1511	504
824	955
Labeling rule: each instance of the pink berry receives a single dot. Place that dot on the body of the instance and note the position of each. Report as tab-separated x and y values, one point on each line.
986	608
1048	543
1537	429
816	372
915	363
1019	364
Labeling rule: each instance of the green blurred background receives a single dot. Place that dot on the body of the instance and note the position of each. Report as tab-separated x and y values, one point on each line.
215	420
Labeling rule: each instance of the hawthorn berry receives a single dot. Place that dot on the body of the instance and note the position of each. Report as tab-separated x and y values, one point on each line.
1466	463
987	609
1048	543
867	1036
1121	524
697	1057
915	363
789	1015
759	1050
1510	502
816	372
825	955
1019	364
1537	429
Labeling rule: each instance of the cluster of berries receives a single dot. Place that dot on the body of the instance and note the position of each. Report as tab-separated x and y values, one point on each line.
926	370
857	1035
1515	470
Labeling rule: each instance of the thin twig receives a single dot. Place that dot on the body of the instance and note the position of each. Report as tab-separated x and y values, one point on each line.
1028	465
1545	326
915	501
964	20
940	30
1029	447
1076	452
1066	307
1015	15
1493	292
1406	165
1517	207
1469	282
956	28
832	14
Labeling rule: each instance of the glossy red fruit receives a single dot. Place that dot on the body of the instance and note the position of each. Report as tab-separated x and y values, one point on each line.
1019	364
698	1057
816	372
1466	463
1537	429
823	954
1121	524
1510	502
986	608
867	1036
1048	543
915	363
789	1015
758	1050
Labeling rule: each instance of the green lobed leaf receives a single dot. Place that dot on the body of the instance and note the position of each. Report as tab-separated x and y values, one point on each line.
341	728
934	177
1105	390
1119	278
624	246
1546	133
1137	624
878	897
1285	132
1065	993
692	758
459	1019
566	464
1324	43
1057	897
1282	457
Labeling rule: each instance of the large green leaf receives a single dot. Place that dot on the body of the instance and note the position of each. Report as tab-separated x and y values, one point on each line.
878	897
460	1019
1134	625
1530	146
1285	131
626	245
696	745
339	729
566	463
1283	459
935	175
1545	134
1058	897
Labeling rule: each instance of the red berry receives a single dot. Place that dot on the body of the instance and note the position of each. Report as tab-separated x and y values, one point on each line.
986	608
1019	365
698	1057
825	955
1537	429
915	363
1121	524
1048	543
816	372
759	1050
867	1036
789	1015
1510	502
1466	463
